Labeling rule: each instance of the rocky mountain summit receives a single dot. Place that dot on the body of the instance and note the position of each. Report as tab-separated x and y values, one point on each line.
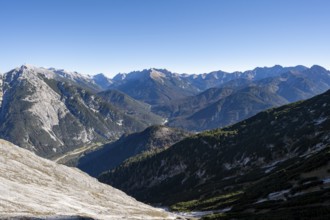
50	116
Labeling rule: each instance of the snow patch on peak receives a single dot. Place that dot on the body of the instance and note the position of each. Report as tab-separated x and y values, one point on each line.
26	71
71	75
120	122
28	67
51	73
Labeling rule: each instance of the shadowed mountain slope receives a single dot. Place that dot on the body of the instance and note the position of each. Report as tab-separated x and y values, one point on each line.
245	162
152	139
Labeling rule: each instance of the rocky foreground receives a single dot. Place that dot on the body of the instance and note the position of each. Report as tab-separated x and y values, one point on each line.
33	187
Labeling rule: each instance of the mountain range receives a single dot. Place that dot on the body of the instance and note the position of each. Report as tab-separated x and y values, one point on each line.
242	98
53	111
223	143
216	99
51	116
155	86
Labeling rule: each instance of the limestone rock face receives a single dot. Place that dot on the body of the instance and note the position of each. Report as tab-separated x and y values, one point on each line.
31	186
50	114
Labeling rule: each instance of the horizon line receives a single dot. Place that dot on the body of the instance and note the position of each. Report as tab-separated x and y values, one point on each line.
161	68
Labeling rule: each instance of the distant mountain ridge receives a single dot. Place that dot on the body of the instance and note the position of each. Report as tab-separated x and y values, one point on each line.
160	86
204	81
241	98
153	86
218	78
102	81
206	101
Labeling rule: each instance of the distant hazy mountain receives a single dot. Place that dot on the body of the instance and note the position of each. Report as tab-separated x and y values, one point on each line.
131	107
231	109
218	78
206	101
152	139
102	81
273	164
35	188
158	86
153	86
242	98
76	78
50	116
189	105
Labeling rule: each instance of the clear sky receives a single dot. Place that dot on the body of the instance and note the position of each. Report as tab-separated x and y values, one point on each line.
184	36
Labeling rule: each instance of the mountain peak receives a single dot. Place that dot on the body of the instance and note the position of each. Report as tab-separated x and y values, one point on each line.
23	67
275	67
26	67
120	76
103	81
70	74
28	71
100	75
318	68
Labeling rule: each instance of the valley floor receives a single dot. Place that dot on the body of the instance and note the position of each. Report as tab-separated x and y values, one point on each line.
71	157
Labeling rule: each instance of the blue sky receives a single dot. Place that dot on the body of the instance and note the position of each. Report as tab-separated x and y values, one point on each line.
185	36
